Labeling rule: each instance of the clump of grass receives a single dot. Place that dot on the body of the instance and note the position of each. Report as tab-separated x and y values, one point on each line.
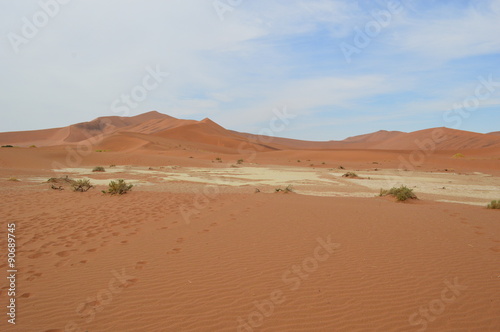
298	161
7	146
458	155
13	179
33	146
494	205
56	187
287	190
218	159
240	161
341	167
118	187
350	175
82	185
112	165
401	194
98	169
65	179
101	150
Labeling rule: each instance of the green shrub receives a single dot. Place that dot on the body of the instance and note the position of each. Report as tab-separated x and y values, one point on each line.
402	193
494	205
82	185
240	161
118	188
7	146
99	169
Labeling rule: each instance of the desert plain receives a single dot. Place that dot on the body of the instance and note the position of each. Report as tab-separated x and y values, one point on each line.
210	239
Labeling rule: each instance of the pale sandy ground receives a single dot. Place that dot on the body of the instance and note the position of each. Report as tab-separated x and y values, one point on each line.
196	249
474	188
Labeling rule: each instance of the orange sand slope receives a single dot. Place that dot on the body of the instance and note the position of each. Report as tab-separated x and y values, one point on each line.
164	261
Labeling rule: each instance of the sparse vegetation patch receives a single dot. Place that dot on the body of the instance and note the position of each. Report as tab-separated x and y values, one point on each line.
286	190
98	169
351	175
494	205
82	185
118	187
401	194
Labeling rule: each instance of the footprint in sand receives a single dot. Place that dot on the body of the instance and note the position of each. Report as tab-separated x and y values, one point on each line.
34	276
38	254
495	249
92	250
124	242
63	253
174	251
140	265
180	240
130	282
61	263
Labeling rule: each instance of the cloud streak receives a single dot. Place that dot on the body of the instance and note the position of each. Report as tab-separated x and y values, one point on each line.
265	54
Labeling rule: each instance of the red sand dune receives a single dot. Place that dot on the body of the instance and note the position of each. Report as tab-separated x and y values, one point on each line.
156	131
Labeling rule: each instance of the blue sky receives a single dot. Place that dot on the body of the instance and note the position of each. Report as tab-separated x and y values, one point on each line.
342	67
